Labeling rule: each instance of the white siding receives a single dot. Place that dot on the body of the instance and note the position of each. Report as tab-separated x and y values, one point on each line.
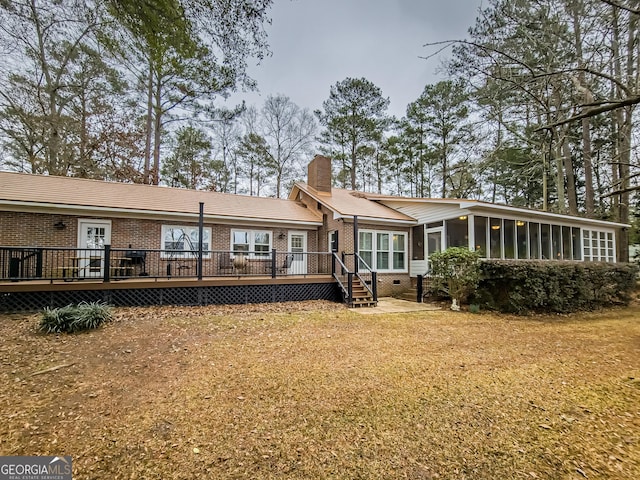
428	212
417	267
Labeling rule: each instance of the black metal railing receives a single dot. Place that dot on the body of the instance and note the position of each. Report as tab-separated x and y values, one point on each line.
343	276
354	263
367	276
349	266
108	263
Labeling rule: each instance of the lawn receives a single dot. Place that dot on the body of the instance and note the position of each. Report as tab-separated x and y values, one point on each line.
313	390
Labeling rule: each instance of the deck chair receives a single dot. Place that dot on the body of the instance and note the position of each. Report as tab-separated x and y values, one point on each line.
226	264
288	260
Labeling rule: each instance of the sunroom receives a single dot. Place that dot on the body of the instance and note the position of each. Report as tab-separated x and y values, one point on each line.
503	232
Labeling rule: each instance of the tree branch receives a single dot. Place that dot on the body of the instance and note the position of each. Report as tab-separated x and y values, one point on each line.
591	112
615	4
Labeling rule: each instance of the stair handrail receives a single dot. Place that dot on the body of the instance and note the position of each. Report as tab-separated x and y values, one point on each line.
373	290
348	289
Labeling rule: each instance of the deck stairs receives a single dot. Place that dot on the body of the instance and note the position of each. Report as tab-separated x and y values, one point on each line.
361	297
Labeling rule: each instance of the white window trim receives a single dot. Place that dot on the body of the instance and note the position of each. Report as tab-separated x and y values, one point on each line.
597	257
252	241
374	254
183	253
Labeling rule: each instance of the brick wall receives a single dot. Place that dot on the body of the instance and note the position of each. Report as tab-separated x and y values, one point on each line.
37	229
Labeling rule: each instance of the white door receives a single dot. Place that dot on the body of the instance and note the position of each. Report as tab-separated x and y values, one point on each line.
298	250
93	235
434	243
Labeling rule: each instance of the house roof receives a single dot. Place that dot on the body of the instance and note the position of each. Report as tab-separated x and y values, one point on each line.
20	190
349	203
479	205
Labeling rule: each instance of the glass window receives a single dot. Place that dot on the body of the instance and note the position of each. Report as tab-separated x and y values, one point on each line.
399	242
495	237
383	250
382	255
556	242
480	235
365	247
457	232
545	240
566	243
240	242
586	243
534	240
181	241
262	243
251	242
521	239
509	238
575	240
598	246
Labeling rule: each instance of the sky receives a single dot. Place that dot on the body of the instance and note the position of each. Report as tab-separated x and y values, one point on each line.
317	43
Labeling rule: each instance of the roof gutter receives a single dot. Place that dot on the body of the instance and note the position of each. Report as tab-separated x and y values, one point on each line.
474	206
131	212
361	218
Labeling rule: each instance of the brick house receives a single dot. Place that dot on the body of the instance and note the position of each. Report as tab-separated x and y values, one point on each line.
394	236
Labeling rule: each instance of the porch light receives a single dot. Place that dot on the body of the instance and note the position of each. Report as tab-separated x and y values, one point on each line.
462	217
495	227
59	225
520	223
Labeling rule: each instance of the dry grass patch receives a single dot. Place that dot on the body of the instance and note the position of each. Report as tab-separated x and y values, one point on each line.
313	390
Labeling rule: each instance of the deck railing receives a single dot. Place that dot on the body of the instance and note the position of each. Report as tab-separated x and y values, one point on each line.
368	277
349	266
108	263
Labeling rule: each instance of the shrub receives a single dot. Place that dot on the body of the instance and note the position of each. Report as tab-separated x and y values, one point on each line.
456	271
553	286
74	318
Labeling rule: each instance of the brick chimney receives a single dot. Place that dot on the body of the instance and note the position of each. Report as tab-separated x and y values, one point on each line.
319	174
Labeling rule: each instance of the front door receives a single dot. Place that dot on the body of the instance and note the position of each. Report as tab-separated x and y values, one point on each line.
434	243
298	249
93	235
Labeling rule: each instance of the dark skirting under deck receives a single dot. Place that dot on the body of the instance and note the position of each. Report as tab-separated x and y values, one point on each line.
26	297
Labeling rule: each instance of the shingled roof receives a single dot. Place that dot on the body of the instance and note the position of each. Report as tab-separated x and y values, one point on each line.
349	203
76	194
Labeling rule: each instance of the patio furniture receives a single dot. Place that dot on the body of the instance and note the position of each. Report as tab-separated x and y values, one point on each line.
226	264
287	264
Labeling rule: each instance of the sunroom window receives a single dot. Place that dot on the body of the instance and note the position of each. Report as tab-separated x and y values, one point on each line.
598	246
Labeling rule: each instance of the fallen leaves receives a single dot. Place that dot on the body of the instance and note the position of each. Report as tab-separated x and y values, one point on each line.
312	390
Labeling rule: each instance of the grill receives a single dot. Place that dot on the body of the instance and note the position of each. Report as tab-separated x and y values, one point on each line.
137	257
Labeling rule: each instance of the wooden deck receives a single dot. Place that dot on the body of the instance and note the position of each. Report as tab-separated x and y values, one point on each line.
146	283
140	291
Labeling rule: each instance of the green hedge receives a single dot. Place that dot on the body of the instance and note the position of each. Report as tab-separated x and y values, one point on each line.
563	287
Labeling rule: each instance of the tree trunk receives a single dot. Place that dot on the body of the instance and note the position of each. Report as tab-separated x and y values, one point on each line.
148	128
578	10
157	134
571	179
562	206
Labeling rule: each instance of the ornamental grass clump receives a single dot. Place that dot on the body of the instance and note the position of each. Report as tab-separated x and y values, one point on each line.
75	318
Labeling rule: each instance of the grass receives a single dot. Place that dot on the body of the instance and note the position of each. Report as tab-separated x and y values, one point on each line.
316	391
